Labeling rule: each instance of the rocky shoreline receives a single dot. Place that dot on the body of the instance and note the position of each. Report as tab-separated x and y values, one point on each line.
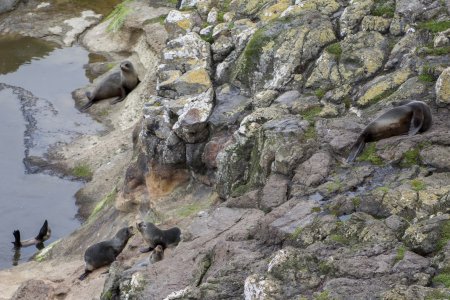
238	134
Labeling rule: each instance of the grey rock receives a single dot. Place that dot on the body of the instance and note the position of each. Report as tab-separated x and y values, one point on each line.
8	5
423	236
443	87
352	16
313	171
230	107
279	50
274	192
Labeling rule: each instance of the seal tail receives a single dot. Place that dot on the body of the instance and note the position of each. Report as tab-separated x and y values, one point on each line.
358	146
17	242
84	275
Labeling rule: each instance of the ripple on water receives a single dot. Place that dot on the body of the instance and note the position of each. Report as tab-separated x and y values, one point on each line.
37	111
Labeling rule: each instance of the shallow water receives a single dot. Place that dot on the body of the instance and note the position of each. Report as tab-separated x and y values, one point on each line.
37	110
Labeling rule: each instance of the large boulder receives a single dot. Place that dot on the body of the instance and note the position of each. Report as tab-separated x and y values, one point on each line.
280	49
8	5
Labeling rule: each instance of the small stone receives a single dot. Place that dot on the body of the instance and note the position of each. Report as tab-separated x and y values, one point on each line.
443	87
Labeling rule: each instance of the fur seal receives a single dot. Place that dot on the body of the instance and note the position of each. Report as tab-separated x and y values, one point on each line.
154	236
410	117
118	84
43	235
104	253
157	254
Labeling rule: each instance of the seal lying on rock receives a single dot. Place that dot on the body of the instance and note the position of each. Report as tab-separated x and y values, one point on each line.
104	253
407	118
154	236
44	234
117	84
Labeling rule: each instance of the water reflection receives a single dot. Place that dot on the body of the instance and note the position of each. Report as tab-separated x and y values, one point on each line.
16	50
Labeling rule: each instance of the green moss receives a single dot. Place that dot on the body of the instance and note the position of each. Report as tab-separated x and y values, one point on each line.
316	209
208	38
356	201
383	9
173	2
325	295
426	78
310	133
225	5
311	113
435	26
296	233
438	51
437	295
325	268
160	19
320	93
44	253
220	16
338	238
106	295
383	189
411	158
443	278
117	16
253	50
111	197
445	236
334	186
193	208
369	154
82	171
347	102
417	185
335	49
400	254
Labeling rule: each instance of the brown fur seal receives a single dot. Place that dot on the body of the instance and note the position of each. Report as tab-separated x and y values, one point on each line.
157	254
104	253
154	236
44	234
409	118
117	84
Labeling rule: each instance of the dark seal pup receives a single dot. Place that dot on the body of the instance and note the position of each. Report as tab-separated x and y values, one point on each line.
104	253
407	118
154	236
44	234
117	84
157	254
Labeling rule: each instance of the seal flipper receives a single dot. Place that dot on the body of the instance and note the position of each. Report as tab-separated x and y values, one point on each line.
17	242
87	105
416	122
123	95
358	146
90	102
42	232
84	275
146	249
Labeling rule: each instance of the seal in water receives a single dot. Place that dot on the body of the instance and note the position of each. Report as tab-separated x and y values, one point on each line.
104	253
44	234
118	84
409	117
157	254
154	236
